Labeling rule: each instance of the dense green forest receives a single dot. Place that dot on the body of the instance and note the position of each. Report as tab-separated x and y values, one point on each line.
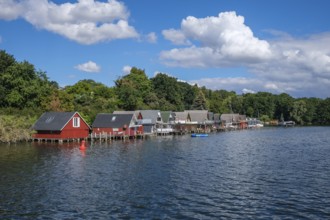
25	93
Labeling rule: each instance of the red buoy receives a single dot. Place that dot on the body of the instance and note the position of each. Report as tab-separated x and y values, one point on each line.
82	145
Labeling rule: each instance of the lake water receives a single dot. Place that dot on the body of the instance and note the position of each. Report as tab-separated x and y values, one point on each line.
277	173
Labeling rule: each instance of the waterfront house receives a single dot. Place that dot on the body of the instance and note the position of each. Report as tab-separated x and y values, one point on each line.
60	126
167	127
198	116
115	125
200	120
182	118
234	121
182	121
151	120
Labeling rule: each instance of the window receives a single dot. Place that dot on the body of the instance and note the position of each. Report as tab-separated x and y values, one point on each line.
76	122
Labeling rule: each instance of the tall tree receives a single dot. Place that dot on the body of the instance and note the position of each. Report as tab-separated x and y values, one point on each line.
168	90
284	105
323	111
298	111
134	90
21	86
199	102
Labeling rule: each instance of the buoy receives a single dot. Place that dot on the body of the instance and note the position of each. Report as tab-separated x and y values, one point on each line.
82	145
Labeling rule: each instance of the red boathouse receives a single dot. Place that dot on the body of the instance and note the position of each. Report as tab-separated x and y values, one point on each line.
61	126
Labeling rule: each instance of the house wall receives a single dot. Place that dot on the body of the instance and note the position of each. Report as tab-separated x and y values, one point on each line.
119	131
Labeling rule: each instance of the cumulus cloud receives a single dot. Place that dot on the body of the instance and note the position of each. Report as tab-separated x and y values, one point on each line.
10	9
300	67
176	37
89	67
86	22
224	41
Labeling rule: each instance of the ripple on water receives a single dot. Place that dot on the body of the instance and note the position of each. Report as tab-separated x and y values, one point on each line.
267	173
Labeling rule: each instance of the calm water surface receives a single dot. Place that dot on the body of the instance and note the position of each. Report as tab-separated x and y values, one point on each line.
271	173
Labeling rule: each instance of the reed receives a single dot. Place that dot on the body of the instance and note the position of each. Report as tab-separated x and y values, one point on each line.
15	128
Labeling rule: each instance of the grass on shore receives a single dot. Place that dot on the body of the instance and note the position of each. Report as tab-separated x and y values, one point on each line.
15	128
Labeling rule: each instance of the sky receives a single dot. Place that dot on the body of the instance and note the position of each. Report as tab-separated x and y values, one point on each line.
246	46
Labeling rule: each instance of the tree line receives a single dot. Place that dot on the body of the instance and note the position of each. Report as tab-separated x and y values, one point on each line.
27	92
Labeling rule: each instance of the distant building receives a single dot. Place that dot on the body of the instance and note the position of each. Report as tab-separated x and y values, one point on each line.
152	120
234	121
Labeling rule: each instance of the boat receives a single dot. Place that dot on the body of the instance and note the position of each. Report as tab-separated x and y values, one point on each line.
199	135
287	123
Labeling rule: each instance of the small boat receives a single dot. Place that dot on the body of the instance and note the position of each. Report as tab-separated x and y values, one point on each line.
199	135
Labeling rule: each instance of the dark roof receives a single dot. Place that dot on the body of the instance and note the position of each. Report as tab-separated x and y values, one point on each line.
53	121
105	120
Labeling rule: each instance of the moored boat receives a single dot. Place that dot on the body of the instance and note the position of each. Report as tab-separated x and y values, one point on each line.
199	135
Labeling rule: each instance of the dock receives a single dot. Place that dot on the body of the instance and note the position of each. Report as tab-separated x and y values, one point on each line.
117	136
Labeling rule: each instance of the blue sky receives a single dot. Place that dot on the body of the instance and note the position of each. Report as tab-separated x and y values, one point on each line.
245	46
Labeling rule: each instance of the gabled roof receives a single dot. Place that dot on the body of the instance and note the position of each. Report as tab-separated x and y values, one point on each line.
54	121
230	118
136	113
182	116
199	116
151	114
106	120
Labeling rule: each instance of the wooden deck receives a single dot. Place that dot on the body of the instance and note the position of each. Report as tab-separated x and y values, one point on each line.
110	137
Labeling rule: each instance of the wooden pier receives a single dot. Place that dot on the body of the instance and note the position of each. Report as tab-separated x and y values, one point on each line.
109	136
57	140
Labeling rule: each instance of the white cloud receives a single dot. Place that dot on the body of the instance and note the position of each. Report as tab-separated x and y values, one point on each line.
300	67
151	37
86	22
224	41
176	37
127	70
10	9
89	67
246	91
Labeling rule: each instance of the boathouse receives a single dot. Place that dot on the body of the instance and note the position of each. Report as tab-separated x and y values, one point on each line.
201	120
152	120
182	122
116	125
234	121
60	126
167	127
